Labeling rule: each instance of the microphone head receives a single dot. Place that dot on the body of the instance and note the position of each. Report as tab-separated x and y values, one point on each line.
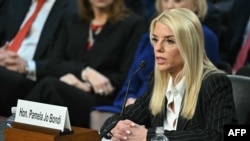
106	131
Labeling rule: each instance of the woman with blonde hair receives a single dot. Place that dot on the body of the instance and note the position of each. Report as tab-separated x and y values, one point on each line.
139	84
188	95
199	7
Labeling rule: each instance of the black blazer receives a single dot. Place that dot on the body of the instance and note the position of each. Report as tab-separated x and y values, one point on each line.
14	14
1	19
111	54
215	108
13	84
237	27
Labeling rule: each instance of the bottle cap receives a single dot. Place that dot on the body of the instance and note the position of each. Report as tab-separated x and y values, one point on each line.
159	130
13	110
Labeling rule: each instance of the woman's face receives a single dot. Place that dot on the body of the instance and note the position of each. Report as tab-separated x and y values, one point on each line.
167	55
100	4
170	4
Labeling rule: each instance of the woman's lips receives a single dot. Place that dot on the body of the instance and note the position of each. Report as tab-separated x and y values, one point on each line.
160	60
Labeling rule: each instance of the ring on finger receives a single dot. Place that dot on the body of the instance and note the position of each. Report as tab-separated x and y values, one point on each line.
88	84
100	91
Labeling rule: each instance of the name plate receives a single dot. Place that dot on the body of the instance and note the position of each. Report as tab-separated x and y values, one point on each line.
44	115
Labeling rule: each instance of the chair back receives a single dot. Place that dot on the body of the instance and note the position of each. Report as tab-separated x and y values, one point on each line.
241	94
244	71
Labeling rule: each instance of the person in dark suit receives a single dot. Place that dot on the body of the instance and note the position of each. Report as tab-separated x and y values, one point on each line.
91	59
188	95
236	30
136	6
20	70
217	18
1	17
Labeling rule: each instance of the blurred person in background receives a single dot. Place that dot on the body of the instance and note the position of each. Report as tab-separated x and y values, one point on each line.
237	31
22	68
1	17
91	59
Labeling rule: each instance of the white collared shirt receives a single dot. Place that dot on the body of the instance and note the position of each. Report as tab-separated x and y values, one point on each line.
29	44
173	94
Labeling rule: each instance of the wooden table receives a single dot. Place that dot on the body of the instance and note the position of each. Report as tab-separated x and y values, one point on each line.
24	132
2	126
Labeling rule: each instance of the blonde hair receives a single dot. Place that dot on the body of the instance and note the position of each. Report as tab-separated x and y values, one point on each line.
201	8
188	34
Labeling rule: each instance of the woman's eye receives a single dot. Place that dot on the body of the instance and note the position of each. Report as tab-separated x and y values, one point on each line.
154	40
170	41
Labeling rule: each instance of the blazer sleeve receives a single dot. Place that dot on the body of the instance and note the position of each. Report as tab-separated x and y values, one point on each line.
60	63
49	35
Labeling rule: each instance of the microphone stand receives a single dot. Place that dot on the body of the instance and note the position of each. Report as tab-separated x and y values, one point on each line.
113	124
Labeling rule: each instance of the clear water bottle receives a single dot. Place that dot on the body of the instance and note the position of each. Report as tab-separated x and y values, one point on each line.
12	117
159	135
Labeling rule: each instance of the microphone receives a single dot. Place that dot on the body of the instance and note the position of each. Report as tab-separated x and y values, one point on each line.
107	130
